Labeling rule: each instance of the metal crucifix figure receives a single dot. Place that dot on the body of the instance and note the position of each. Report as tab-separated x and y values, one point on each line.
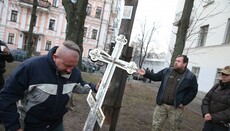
113	61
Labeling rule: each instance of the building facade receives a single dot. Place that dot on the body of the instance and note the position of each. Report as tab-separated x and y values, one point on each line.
208	39
50	27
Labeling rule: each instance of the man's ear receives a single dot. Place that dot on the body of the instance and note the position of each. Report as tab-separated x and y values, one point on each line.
55	56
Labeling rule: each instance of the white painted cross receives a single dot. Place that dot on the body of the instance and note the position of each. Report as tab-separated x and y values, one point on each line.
113	61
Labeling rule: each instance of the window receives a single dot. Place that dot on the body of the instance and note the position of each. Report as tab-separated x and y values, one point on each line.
51	25
203	35
196	71
85	31
55	3
10	38
14	15
98	13
217	78
94	34
48	45
88	9
227	37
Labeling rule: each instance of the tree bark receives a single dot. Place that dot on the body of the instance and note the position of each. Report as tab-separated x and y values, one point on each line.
182	30
30	42
75	16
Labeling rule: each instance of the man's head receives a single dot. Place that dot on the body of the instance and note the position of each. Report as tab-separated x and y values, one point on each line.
66	57
181	62
225	74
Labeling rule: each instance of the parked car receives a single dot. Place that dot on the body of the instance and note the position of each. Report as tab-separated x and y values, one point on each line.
19	55
89	66
88	62
137	76
86	67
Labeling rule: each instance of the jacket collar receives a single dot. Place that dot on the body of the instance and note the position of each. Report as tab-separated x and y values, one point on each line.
50	56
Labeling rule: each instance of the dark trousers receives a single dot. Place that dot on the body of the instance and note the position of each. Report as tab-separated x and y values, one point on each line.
210	126
2	81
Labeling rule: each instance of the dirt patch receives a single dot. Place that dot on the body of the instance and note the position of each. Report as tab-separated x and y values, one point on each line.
136	111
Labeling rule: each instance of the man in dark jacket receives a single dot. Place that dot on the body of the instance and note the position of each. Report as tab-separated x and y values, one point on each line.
216	104
178	88
43	85
5	56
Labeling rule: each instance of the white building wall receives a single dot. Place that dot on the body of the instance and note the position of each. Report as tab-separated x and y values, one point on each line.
215	53
3	20
209	59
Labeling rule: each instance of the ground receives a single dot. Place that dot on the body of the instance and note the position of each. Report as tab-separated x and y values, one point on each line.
136	111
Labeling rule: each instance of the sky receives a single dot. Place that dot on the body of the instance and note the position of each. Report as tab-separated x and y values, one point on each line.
162	12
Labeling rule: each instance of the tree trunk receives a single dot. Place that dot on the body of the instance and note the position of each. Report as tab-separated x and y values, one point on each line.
75	16
30	42
182	30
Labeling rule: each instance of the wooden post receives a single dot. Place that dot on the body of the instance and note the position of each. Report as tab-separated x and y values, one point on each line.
112	103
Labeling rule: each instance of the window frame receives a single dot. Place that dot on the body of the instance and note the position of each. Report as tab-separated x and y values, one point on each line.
14	16
203	35
10	38
88	9
48	45
98	12
196	71
51	24
55	3
217	77
94	34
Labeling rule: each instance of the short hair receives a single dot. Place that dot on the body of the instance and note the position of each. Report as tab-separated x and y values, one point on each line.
185	58
72	46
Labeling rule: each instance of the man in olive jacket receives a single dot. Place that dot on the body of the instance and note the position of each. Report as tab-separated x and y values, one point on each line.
216	104
178	88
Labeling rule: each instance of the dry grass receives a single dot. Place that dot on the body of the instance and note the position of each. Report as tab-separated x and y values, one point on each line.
136	111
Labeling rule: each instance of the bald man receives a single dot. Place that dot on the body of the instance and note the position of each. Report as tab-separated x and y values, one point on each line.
43	86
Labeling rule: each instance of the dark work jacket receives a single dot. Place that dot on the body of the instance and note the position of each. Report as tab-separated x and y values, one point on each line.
186	90
217	103
43	92
4	58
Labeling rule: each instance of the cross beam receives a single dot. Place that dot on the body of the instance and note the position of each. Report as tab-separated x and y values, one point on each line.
113	61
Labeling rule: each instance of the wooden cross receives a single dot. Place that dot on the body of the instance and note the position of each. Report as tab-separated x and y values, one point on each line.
113	61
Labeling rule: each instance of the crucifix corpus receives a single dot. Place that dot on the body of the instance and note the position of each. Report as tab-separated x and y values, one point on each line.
113	61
